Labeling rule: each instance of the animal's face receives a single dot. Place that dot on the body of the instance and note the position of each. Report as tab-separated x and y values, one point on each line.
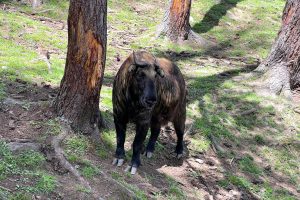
145	72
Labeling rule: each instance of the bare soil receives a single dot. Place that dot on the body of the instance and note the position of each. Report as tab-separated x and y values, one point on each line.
26	111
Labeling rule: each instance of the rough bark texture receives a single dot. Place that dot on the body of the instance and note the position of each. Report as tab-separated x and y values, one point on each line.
176	20
283	63
78	98
176	24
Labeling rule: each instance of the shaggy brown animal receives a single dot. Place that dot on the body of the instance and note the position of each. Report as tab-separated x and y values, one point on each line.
149	92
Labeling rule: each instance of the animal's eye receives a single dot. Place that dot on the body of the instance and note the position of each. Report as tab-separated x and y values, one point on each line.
141	75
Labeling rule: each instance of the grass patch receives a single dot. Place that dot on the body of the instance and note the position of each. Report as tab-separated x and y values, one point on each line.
109	138
20	35
247	164
2	91
27	165
259	139
18	164
83	189
76	147
89	171
174	192
46	183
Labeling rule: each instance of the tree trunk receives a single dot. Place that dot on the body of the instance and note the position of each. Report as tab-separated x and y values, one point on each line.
283	63
176	24
78	98
36	3
176	20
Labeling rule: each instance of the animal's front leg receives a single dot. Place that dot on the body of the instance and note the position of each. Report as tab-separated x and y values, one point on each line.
141	132
155	130
121	134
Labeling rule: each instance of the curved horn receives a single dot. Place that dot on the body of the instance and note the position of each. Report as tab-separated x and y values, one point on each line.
132	67
159	71
134	58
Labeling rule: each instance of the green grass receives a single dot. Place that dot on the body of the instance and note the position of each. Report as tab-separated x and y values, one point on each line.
46	183
174	190
2	91
76	147
241	28
265	191
20	36
234	24
247	164
55	9
18	164
89	171
27	165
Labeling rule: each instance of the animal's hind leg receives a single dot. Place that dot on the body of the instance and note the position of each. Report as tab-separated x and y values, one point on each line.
155	130
121	134
179	125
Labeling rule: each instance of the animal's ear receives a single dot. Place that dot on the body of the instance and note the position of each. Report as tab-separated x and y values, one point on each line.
132	68
158	70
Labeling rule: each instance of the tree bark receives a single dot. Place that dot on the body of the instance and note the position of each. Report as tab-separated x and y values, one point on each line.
176	20
78	98
36	3
282	66
175	24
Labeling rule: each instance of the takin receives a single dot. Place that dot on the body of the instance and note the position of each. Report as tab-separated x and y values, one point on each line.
150	92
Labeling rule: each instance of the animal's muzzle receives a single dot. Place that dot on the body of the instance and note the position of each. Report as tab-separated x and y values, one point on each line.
148	102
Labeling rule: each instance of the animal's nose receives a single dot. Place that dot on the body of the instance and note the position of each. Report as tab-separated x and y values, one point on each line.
150	101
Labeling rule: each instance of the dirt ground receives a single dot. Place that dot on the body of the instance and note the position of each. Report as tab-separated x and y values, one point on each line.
26	114
27	109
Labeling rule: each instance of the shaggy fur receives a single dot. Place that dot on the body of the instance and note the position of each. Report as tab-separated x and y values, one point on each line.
168	93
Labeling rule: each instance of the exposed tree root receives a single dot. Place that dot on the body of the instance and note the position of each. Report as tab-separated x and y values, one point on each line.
275	79
4	188
130	193
196	40
55	154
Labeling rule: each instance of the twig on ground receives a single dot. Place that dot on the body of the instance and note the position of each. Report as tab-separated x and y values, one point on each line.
124	48
19	140
215	145
42	11
231	161
246	112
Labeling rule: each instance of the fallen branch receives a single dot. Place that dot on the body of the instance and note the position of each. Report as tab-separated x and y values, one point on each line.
42	11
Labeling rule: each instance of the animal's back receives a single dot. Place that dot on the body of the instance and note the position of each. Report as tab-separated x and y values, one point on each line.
171	92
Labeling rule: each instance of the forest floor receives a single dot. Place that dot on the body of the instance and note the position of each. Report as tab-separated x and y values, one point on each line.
240	143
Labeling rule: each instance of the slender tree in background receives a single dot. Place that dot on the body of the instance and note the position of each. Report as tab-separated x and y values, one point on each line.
282	66
78	98
176	25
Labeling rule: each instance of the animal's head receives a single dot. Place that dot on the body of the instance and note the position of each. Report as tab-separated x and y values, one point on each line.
144	71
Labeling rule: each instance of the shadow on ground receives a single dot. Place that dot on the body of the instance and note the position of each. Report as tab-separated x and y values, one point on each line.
213	16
